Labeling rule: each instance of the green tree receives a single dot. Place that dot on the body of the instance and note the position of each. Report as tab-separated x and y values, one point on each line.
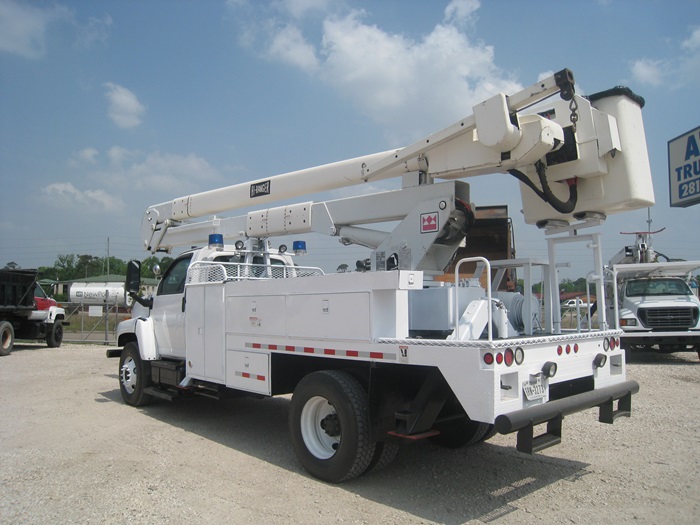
12	265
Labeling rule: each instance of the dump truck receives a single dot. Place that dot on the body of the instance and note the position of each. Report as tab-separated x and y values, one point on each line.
26	312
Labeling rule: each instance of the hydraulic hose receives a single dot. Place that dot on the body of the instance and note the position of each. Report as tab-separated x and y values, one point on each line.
546	193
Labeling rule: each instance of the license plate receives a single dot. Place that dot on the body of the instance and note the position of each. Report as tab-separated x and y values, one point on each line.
534	388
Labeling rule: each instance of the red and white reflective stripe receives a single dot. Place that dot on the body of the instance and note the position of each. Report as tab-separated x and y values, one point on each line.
248	375
323	351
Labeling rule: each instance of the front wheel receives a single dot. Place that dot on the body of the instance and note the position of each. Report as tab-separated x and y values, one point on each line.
329	426
7	338
134	376
55	336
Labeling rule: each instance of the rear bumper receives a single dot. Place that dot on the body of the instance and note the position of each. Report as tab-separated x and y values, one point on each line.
553	412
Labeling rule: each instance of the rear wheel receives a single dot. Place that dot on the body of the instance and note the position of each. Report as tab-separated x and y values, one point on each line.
329	426
7	337
384	454
134	376
55	336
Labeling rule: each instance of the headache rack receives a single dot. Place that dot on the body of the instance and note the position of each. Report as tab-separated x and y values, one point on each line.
203	272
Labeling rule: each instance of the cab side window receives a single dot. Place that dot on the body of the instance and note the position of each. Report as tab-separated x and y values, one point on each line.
173	281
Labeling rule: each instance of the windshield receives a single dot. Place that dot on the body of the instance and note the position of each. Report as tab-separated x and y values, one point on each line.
657	287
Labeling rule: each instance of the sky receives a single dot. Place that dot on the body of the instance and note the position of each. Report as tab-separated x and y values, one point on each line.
108	107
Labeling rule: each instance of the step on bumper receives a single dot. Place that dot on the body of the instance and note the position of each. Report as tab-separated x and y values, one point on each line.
523	421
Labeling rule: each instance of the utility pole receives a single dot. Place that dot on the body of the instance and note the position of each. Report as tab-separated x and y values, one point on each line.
107	255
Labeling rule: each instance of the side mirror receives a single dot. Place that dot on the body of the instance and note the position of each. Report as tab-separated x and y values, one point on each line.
133	277
156	270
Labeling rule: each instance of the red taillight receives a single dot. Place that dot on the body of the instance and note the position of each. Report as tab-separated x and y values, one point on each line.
613	343
509	357
560	350
499	358
568	349
488	358
575	348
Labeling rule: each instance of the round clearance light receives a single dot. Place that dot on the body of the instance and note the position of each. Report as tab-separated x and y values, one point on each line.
575	348
549	369
606	344
519	356
499	358
239	245
600	360
488	358
282	248
568	349
509	357
560	350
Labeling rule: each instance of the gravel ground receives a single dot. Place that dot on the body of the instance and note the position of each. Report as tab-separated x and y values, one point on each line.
72	452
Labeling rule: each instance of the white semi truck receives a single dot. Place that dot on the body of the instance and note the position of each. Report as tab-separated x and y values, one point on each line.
396	351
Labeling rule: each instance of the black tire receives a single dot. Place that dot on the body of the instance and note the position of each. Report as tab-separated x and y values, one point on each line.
461	433
134	376
489	433
7	337
55	335
384	454
329	426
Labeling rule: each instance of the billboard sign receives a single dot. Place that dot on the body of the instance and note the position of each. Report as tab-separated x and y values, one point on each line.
684	169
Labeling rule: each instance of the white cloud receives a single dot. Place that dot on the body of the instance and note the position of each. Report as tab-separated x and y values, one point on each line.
461	11
290	46
692	43
300	8
647	71
172	173
66	196
85	156
23	27
683	69
96	31
439	75
118	155
125	110
124	175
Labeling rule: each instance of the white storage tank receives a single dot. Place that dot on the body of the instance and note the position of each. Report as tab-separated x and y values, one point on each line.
97	293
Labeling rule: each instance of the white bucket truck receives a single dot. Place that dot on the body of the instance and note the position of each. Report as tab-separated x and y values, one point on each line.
394	352
652	300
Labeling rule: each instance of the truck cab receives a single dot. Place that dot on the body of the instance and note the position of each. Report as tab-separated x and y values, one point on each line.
166	309
658	304
656	307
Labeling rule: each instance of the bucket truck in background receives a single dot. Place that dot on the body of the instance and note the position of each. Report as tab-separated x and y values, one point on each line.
652	301
396	351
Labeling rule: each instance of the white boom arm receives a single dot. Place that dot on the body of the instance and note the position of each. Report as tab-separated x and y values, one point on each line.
496	138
